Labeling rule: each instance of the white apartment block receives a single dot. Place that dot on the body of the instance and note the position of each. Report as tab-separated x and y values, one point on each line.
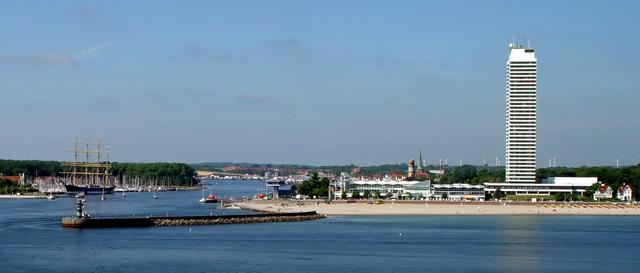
521	115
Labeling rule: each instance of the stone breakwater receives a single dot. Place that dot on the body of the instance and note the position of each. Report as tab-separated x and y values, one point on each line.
236	220
74	222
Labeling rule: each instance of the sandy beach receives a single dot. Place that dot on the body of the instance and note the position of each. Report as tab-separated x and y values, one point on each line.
443	208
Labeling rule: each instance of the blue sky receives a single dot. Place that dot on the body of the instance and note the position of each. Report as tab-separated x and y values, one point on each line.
314	82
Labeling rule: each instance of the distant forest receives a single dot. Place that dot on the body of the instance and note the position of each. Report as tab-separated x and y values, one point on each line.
29	167
178	173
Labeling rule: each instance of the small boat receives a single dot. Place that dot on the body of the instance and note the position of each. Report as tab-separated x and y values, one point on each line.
51	197
210	199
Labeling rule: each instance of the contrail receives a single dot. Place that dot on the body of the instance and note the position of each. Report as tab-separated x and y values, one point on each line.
92	49
76	57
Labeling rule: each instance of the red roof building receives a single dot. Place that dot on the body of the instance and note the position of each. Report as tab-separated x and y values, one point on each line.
604	191
625	192
12	178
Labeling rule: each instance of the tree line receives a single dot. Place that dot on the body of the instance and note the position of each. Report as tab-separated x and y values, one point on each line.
612	176
178	173
29	167
9	187
472	175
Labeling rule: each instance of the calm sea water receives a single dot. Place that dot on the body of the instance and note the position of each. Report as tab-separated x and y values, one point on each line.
31	240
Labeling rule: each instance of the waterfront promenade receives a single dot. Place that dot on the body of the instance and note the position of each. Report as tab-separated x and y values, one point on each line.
441	208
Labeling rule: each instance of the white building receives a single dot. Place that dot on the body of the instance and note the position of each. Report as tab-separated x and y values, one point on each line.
603	191
341	185
521	115
458	192
389	188
550	185
625	192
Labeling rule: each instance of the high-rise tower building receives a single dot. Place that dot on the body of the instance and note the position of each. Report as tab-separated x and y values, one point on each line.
521	115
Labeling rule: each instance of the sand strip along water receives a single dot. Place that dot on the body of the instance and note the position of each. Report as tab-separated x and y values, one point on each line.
441	208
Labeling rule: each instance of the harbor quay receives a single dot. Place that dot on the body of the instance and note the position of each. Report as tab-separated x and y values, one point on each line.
416	207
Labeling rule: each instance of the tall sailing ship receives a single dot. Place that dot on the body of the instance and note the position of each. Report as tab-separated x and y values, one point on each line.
90	170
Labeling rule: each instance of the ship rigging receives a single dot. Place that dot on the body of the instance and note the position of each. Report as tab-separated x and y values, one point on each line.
90	170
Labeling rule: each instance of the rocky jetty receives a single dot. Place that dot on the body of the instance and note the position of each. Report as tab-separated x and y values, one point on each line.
237	219
85	222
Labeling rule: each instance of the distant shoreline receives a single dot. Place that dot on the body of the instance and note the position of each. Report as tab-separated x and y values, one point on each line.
389	208
21	196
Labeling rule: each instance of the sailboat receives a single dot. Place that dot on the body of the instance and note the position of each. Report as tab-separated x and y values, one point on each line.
155	189
124	186
91	175
50	189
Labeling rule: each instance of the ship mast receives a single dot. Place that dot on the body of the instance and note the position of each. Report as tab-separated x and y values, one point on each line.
92	170
75	159
86	166
98	160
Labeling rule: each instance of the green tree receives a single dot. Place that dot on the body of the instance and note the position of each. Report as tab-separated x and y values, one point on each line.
410	196
367	194
315	186
487	196
463	174
589	191
498	194
355	195
319	192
